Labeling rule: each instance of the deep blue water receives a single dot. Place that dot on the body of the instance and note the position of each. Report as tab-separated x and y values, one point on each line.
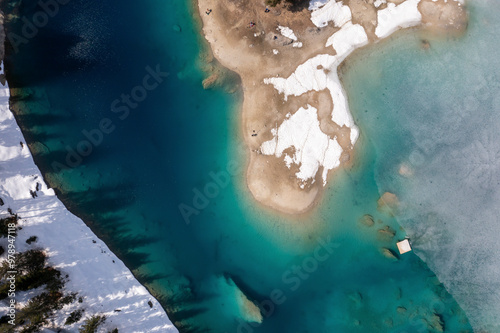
168	148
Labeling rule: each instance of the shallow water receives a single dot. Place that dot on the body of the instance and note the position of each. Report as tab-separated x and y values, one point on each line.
320	273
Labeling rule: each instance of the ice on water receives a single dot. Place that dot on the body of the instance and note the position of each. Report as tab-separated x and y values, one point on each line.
453	198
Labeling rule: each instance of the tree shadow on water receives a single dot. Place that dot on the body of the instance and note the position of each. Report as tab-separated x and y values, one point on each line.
98	208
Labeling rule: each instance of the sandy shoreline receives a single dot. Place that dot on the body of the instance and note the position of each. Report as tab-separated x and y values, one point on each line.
292	152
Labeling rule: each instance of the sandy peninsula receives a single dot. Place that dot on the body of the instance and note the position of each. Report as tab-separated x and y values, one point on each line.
295	115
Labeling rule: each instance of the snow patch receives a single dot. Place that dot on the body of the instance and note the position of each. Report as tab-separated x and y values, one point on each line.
313	148
287	32
347	39
379	3
394	17
332	11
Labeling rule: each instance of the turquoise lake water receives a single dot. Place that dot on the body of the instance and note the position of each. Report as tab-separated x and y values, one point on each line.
323	273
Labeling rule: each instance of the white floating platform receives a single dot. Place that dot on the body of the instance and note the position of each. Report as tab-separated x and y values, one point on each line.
404	246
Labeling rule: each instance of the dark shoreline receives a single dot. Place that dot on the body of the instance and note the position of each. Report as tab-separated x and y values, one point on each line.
15	107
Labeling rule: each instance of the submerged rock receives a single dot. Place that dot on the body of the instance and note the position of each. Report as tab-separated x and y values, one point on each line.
425	45
249	311
356	298
436	323
389	254
401	309
210	81
176	28
405	169
387	233
388	203
398	293
367	220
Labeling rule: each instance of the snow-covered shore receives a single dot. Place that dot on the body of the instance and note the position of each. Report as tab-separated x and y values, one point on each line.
103	281
395	17
320	73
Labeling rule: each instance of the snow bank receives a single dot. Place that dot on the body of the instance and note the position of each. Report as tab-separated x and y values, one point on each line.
312	147
394	17
94	271
347	39
332	11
